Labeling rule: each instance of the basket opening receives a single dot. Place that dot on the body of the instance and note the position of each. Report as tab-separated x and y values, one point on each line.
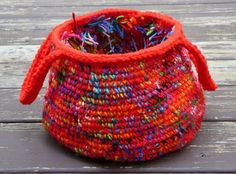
113	34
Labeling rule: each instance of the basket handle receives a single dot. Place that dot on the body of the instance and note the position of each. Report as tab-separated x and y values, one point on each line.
48	53
200	64
37	72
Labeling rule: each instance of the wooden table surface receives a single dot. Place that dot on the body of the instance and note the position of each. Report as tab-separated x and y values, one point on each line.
26	147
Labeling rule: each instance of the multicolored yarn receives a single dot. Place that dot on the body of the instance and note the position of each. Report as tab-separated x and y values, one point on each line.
126	104
116	34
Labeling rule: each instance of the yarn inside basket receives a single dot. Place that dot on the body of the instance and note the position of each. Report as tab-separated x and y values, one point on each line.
107	34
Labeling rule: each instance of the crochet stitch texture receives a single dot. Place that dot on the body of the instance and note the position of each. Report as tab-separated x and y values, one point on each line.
132	106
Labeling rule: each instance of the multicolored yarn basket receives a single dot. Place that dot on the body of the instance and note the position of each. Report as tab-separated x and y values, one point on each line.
122	85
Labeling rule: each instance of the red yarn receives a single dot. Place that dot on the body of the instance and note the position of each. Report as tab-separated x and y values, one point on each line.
127	107
201	66
43	60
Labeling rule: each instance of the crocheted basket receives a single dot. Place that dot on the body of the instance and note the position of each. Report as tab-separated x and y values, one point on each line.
131	105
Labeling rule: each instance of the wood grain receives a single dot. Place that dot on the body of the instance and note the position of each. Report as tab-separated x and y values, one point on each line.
220	106
28	148
12	73
202	22
213	50
32	3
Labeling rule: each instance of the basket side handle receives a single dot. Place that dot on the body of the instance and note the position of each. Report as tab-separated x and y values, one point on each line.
201	66
38	70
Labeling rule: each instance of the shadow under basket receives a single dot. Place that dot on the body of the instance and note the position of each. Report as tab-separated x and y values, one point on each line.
121	85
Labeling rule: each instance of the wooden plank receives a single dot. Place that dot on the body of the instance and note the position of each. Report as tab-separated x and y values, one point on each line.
28	148
12	73
213	50
220	106
11	110
32	3
201	22
9	12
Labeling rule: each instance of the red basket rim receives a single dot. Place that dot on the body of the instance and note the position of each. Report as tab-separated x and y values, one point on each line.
140	54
